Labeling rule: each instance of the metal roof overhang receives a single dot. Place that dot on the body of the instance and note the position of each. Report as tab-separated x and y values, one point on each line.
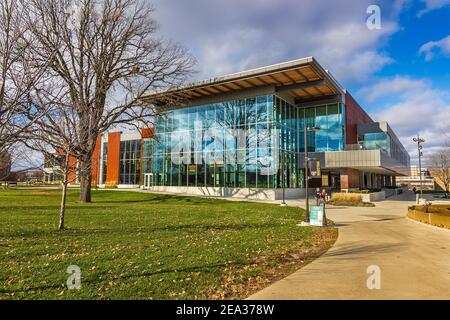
303	79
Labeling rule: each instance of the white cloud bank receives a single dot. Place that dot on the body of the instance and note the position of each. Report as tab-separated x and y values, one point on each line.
417	108
234	35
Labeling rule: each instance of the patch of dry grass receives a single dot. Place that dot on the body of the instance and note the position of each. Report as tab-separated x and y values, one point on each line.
347	197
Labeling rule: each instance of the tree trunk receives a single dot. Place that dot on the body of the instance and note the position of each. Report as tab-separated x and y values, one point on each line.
63	204
85	181
65	181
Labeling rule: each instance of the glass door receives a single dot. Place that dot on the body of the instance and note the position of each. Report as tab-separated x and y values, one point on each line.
148	180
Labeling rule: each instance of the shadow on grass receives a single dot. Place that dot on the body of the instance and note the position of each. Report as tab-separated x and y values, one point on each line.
211	268
162	198
196	228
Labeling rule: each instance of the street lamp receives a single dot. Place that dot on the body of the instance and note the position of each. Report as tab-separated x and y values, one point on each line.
419	142
315	129
283	204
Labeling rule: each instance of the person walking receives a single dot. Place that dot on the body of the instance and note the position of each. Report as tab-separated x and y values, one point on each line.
318	196
416	194
324	196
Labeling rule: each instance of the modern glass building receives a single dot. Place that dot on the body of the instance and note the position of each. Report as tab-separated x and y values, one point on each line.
244	135
259	118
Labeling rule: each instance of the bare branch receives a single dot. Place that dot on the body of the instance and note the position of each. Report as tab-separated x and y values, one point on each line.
105	56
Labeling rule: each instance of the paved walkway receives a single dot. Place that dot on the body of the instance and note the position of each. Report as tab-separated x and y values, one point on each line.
414	259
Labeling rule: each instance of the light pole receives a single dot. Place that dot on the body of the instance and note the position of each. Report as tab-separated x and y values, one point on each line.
315	129
283	178
419	142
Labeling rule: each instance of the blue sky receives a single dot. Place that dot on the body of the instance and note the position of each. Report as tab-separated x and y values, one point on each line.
399	73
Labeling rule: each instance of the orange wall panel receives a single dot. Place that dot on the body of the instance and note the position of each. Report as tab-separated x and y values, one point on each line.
72	169
96	162
72	173
147	133
112	171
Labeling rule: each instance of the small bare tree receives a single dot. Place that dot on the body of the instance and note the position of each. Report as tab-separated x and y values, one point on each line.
439	167
107	57
55	134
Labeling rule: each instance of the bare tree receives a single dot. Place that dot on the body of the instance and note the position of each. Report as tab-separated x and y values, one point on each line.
107	57
16	74
55	133
5	167
439	167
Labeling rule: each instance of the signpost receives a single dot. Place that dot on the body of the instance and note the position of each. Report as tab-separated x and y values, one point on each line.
317	216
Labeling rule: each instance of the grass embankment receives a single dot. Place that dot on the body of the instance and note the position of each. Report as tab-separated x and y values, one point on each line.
436	215
147	246
349	199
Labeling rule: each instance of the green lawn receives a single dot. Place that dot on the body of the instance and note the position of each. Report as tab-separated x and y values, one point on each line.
148	246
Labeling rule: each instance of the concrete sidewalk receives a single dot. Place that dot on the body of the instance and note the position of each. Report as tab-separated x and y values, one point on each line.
414	259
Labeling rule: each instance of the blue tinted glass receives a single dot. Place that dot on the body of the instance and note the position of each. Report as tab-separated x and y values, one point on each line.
239	113
334	144
251	110
262	108
321	145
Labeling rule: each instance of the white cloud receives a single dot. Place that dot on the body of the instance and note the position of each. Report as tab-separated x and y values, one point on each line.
430	48
392	86
417	108
229	36
431	5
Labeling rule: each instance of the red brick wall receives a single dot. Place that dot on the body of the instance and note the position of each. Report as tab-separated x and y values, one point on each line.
354	115
112	171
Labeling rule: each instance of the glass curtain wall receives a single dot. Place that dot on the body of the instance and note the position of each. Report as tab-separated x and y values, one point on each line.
375	141
129	165
330	119
259	118
104	161
147	152
383	142
286	123
232	161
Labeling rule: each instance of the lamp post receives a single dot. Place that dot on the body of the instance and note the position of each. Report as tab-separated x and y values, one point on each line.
283	178
315	129
419	142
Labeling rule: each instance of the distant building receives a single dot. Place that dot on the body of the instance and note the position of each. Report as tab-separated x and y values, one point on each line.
413	179
29	176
